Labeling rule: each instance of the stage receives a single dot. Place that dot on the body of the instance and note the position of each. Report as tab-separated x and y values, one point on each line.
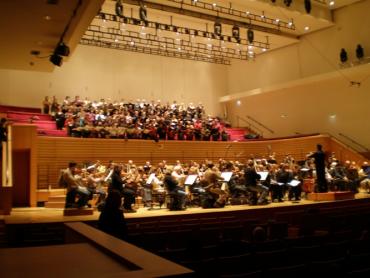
55	215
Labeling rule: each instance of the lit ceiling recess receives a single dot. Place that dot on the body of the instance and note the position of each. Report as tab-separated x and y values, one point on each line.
208	31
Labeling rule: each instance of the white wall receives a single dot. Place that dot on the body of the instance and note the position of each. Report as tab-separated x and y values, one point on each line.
97	72
316	53
309	104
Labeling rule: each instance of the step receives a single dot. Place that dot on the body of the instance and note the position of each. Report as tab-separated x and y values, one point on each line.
75	211
55	204
27	115
57	198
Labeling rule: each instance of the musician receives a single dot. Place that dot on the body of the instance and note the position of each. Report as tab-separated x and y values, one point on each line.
177	192
74	188
216	197
364	174
283	177
93	181
319	157
253	185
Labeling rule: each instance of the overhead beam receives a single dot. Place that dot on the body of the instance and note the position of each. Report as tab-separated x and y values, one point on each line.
209	17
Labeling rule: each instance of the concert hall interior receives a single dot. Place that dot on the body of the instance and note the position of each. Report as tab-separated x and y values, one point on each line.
188	138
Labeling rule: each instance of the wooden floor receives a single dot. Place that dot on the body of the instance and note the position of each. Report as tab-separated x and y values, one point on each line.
51	215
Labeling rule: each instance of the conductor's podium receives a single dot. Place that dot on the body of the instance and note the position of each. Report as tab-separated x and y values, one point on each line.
331	196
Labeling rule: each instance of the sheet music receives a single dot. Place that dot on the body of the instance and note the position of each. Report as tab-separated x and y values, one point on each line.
190	179
263	175
294	182
150	179
226	176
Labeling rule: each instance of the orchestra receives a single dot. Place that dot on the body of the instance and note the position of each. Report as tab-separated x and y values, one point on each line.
209	184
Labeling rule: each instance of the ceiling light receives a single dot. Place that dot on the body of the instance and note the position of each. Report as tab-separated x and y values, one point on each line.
250	35
306	28
217	28
264	49
307	6
143	13
47	17
119	8
332	3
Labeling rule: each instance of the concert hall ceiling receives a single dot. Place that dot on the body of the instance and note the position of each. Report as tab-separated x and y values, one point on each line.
31	30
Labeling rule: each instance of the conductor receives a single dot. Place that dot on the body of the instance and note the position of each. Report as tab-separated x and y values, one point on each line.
319	157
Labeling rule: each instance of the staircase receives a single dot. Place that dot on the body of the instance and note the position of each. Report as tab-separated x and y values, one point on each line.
236	134
45	124
57	201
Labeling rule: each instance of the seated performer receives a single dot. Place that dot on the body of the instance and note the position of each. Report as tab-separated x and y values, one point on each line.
175	191
253	185
214	196
74	188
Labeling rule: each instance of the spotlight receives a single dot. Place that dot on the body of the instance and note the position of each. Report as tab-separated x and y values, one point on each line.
62	49
218	28
236	32
56	60
143	14
343	55
250	35
288	2
119	8
359	52
307	5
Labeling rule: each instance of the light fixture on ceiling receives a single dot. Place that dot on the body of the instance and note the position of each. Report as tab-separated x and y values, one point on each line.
143	13
236	33
217	28
56	60
331	3
62	49
359	52
288	2
307	6
250	35
343	55
119	8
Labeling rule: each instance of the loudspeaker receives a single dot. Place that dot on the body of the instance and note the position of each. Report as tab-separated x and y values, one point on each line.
56	60
62	50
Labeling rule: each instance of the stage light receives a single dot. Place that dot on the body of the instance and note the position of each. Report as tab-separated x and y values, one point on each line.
236	32
218	28
343	55
56	60
288	2
359	52
62	49
250	35
143	13
307	5
119	8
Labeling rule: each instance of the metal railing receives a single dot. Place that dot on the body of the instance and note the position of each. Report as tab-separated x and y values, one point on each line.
250	126
260	124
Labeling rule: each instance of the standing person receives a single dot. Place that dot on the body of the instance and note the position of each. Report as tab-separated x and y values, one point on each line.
319	157
3	133
46	105
111	220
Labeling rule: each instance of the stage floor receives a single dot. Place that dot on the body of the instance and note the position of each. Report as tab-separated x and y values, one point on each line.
50	215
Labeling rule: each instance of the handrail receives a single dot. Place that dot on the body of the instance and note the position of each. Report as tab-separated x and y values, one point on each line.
257	122
341	142
251	126
353	141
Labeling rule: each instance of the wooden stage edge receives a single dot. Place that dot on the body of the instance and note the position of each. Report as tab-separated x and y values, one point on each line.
52	215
